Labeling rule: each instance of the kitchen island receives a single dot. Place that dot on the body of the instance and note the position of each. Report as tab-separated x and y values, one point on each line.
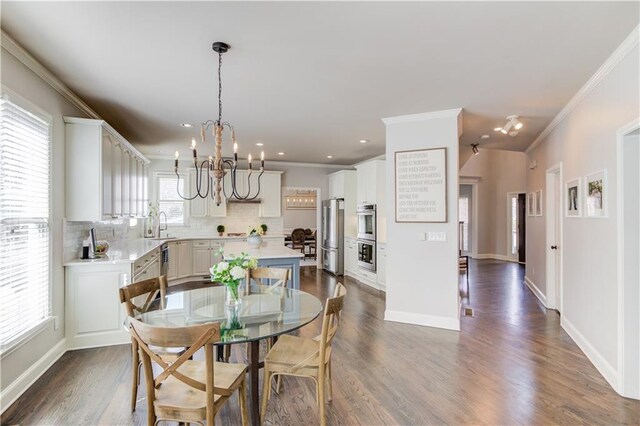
269	255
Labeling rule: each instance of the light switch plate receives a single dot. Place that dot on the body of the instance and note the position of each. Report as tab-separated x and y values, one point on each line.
437	236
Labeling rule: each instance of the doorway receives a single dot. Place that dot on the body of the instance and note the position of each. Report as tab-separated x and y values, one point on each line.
302	209
516	234
554	237
628	151
465	219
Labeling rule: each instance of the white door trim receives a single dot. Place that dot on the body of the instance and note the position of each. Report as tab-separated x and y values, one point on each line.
622	384
473	181
551	274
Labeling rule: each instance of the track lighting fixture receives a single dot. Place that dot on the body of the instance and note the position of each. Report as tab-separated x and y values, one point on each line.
512	127
474	147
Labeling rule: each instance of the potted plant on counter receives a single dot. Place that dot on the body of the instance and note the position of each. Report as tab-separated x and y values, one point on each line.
220	229
264	228
254	238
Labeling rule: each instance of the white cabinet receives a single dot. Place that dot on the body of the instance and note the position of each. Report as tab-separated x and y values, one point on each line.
371	182
351	257
93	313
271	194
183	258
101	172
204	255
381	272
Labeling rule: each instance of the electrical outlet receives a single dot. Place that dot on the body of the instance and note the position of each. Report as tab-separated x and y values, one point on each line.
56	323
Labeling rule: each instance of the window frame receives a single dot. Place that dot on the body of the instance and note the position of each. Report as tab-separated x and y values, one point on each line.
7	348
185	210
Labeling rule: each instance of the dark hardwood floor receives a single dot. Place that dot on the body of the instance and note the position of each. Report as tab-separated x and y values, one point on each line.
511	364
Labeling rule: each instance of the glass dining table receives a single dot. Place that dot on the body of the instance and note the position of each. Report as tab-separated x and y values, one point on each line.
263	312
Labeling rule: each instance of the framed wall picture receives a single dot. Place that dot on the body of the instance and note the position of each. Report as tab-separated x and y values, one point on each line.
573	196
538	202
421	185
595	194
531	204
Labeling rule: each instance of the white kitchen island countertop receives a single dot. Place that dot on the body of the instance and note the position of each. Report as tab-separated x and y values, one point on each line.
267	250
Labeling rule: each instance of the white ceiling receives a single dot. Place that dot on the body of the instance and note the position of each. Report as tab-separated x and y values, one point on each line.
312	79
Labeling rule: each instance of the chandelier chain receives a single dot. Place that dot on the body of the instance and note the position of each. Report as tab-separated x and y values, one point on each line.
219	88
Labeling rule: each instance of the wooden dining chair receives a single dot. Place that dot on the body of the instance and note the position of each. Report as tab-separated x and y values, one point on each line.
305	357
186	390
137	298
298	237
274	278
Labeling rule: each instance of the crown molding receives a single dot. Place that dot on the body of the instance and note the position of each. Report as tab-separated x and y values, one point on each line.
455	112
274	163
11	46
609	65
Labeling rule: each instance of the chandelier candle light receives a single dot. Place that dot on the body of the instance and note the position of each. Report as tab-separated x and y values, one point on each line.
212	170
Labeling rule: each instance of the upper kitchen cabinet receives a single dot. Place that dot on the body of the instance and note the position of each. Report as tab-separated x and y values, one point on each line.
106	175
371	182
205	207
342	184
271	194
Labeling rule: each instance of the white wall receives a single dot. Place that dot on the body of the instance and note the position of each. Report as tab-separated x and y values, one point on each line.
585	142
422	276
500	172
32	88
297	218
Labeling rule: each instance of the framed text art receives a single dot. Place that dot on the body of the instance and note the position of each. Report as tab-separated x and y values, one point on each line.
596	194
573	195
421	185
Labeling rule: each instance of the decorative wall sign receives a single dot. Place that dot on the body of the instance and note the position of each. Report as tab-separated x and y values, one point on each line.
573	198
421	185
538	202
531	204
596	194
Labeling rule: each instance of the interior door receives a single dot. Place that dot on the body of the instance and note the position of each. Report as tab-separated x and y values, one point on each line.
522	223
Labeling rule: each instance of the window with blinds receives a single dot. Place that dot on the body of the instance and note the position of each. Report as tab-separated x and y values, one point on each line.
169	201
24	222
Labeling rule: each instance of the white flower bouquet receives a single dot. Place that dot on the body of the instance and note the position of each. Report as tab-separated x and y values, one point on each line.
255	230
231	272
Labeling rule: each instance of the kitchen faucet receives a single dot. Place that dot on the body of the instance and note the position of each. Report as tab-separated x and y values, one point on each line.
160	228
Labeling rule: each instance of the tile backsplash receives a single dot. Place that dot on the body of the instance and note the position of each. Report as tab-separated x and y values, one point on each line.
114	231
239	218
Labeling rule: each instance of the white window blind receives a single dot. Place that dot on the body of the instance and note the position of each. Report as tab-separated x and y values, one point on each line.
168	199
24	222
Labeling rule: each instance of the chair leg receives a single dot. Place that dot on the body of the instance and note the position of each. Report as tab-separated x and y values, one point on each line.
329	383
135	373
279	383
266	388
244	412
321	398
227	353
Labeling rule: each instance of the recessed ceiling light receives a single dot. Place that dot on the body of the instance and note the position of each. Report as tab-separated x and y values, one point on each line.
186	125
485	137
329	156
364	140
281	153
259	144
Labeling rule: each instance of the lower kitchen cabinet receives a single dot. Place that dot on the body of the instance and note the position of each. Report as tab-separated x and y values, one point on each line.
204	256
351	257
93	313
183	258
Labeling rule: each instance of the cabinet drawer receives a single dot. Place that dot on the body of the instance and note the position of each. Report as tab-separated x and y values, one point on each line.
200	243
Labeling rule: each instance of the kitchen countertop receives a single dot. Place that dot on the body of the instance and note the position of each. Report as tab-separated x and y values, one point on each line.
266	251
126	252
131	250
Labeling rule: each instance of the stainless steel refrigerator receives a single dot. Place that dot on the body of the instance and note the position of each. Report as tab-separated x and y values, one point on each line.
333	235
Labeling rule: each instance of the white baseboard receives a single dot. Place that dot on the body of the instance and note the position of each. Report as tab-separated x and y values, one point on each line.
422	319
491	256
536	291
11	393
608	372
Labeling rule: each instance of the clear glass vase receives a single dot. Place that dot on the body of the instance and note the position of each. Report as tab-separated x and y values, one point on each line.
232	296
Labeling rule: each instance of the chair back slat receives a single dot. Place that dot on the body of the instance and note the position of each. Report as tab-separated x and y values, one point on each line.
267	276
330	321
193	337
150	287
